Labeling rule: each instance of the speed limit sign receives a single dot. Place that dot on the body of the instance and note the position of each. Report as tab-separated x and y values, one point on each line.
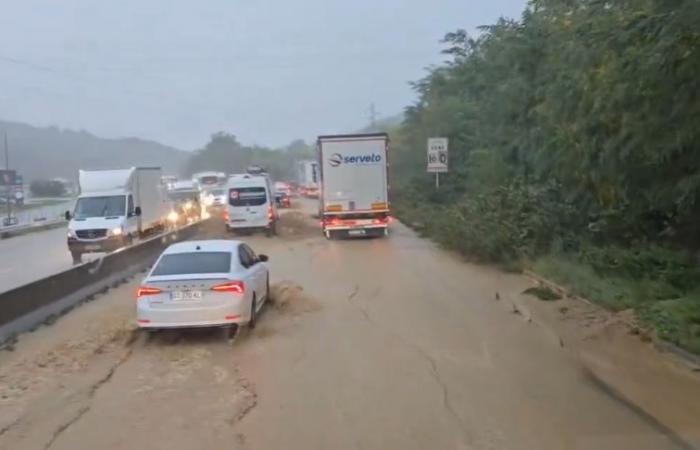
437	155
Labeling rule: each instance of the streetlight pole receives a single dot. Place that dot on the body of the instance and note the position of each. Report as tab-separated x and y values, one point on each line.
8	187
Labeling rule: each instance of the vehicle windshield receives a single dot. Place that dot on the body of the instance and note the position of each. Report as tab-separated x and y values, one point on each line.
193	263
111	206
183	196
247	196
206	180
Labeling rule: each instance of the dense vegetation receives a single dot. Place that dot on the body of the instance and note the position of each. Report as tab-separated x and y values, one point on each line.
574	149
224	153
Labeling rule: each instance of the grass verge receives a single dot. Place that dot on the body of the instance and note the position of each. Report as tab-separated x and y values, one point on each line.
674	315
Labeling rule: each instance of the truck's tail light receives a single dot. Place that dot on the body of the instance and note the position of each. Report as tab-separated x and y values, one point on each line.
147	290
226	216
382	220
270	212
235	287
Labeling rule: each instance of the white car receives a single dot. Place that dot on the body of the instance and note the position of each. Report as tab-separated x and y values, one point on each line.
213	283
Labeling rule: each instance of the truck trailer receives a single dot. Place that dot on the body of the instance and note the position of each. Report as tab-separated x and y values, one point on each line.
354	188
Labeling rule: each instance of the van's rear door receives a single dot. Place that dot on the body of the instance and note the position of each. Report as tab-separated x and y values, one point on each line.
248	206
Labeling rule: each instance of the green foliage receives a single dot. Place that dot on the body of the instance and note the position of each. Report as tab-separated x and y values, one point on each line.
224	153
676	321
47	188
543	293
574	141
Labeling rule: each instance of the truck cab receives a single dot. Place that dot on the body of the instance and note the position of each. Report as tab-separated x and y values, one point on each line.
113	207
102	223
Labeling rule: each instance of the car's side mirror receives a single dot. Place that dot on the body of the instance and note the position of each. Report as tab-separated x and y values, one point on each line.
67	215
137	211
263	258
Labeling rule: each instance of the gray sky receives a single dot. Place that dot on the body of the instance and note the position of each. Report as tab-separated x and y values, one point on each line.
176	71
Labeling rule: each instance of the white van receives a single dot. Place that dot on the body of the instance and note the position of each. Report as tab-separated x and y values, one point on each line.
113	207
250	203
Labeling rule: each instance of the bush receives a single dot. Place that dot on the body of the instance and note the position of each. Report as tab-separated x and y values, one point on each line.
508	223
47	188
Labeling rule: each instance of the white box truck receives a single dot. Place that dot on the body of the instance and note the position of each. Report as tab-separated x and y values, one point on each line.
354	199
113	207
308	178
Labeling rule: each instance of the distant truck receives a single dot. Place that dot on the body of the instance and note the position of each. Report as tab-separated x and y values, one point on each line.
210	179
113	207
354	198
185	202
308	178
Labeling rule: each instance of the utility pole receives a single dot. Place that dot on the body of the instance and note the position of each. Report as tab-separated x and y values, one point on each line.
8	188
372	117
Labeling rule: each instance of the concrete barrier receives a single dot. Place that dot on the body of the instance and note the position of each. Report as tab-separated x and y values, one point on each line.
25	307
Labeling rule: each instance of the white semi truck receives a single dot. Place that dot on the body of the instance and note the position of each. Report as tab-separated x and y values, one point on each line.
114	206
354	193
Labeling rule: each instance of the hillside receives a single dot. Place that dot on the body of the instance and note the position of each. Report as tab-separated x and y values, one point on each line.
53	152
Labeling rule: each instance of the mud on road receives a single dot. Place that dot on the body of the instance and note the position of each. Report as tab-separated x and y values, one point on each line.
377	344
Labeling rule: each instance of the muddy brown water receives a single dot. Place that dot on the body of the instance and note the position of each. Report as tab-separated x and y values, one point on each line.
375	344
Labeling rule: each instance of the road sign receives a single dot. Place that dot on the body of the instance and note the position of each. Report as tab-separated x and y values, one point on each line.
437	155
7	177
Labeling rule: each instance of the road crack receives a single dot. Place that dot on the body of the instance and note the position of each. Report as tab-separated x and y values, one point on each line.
434	369
363	310
81	412
91	392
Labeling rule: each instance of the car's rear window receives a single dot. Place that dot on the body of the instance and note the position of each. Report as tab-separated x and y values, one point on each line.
197	262
247	196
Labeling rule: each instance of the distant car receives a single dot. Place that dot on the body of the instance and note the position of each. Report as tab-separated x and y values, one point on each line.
283	199
215	197
185	206
213	283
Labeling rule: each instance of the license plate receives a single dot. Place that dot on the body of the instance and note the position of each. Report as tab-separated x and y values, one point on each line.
186	295
92	247
356	232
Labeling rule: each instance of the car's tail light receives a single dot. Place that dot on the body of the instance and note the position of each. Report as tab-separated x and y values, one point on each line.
147	290
235	287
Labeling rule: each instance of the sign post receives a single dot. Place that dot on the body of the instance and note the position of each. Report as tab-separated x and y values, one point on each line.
8	181
437	158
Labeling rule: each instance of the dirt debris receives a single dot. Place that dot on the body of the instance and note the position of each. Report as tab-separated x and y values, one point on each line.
296	224
289	297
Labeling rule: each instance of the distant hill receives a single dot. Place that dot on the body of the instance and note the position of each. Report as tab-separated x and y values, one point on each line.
52	152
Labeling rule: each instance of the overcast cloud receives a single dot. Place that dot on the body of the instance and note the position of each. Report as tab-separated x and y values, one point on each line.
175	71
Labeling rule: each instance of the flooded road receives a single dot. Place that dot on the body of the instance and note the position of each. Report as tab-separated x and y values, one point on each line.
369	344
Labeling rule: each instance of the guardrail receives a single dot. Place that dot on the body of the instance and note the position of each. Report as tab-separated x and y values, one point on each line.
25	307
16	230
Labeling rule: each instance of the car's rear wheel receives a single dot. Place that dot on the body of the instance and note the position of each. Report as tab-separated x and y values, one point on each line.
253	315
230	331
